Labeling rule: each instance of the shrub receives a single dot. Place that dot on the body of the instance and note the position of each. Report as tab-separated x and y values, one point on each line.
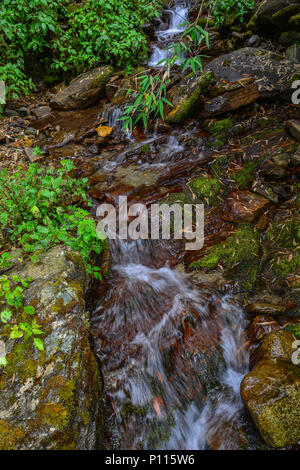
70	36
223	10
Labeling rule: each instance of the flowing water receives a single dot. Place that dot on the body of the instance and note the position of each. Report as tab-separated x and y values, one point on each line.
177	16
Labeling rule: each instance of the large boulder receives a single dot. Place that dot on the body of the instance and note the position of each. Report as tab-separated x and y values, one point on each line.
52	399
271	391
272	72
83	91
272	13
187	95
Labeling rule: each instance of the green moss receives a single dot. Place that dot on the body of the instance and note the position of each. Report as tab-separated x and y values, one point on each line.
295	329
53	414
219	166
241	245
219	127
245	176
19	364
145	149
130	409
285	232
10	436
207	189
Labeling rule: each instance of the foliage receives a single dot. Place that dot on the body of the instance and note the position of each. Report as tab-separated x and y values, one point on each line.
295	329
150	96
15	315
38	210
69	36
223	10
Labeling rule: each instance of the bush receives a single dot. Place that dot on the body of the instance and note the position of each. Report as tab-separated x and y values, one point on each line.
67	36
40	209
223	10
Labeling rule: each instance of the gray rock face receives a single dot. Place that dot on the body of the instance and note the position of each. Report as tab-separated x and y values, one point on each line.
273	13
272	72
84	91
52	400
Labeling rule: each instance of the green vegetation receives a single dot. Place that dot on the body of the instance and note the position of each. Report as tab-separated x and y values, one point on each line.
229	11
151	90
241	245
294	328
39	209
16	319
206	189
67	36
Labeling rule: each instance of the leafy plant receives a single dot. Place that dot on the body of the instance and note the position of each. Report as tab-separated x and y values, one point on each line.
234	9
150	96
69	36
40	208
14	316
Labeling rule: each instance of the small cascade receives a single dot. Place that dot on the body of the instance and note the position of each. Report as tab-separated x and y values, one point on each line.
178	16
142	316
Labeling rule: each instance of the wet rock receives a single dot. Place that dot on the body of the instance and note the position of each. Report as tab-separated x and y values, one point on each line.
264	191
243	206
293	127
295	159
8	112
272	72
31	155
289	37
265	309
271	391
270	170
260	326
149	30
42	112
228	101
253	41
281	159
273	13
186	97
52	400
85	90
293	53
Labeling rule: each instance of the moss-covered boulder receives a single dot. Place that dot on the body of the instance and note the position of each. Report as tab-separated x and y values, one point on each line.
52	399
262	20
84	90
271	391
186	96
273	73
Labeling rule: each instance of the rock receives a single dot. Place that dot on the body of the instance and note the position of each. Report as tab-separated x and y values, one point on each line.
253	41
52	400
230	100
293	128
263	19
104	131
289	37
295	21
149	30
281	159
8	112
293	53
243	206
186	97
272	171
42	112
32	156
84	91
264	191
295	159
272	72
265	309
260	326
271	391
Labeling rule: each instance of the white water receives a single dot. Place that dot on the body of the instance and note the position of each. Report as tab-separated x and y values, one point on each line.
178	15
166	294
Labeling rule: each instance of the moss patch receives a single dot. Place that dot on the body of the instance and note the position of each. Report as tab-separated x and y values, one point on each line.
206	189
241	245
10	436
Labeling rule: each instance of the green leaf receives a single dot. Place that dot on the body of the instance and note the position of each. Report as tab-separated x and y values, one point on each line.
39	344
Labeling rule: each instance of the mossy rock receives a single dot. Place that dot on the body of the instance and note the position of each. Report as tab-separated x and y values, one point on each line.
186	97
207	189
52	399
240	246
271	391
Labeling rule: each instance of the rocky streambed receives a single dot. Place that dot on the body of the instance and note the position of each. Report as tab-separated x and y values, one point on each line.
195	347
